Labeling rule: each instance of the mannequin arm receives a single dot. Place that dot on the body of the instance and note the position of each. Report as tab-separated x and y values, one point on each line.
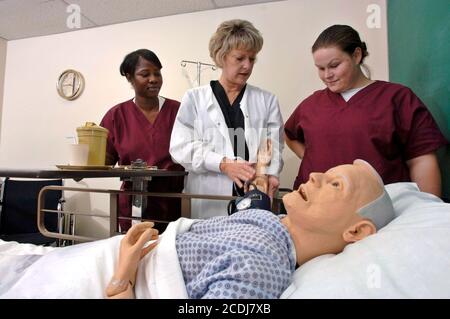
132	250
265	183
262	183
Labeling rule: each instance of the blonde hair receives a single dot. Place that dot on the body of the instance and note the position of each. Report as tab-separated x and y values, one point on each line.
234	34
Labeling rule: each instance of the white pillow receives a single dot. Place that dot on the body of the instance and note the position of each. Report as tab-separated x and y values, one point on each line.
408	258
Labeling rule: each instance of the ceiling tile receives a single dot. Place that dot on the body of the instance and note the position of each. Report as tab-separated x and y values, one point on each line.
28	18
104	12
235	3
25	18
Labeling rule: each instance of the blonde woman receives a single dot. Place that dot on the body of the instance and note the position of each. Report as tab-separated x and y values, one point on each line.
220	126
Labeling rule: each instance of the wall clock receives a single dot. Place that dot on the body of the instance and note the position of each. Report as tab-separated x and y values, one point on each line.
70	84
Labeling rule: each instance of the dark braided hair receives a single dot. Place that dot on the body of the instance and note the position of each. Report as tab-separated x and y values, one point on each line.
342	36
130	61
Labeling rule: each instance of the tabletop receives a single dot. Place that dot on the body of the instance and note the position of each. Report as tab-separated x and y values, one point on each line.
84	173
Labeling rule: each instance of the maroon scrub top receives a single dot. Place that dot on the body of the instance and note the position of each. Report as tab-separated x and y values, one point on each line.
384	123
132	136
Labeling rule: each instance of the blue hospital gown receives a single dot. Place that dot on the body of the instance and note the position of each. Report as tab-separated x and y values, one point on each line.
247	255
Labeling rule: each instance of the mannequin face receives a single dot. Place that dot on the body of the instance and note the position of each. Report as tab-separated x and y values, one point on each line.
328	202
338	70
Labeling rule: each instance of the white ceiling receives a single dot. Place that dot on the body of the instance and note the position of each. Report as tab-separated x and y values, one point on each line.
29	18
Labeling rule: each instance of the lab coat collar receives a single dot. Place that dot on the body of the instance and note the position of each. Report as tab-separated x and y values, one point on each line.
216	115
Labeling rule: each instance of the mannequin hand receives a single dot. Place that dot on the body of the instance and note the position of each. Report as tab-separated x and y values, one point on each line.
132	247
131	252
238	171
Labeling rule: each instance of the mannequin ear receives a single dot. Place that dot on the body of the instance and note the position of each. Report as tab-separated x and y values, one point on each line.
358	231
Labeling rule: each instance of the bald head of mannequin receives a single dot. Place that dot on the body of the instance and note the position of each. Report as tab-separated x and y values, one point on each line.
338	207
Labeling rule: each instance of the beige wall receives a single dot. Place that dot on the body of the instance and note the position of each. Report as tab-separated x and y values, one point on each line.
3	46
36	120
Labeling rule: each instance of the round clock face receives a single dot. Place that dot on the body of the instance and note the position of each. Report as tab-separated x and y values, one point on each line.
70	84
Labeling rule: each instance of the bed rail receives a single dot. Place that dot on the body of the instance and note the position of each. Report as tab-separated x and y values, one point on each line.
113	204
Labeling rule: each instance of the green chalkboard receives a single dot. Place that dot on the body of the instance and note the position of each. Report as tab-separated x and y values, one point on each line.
419	57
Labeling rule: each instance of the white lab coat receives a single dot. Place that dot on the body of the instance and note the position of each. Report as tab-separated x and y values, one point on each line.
200	140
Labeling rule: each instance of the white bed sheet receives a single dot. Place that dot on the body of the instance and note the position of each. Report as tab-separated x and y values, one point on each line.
84	270
79	271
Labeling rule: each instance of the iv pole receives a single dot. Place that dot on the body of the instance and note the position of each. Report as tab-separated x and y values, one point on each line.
199	67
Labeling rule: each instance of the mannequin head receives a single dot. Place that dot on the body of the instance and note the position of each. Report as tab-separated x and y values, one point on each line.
337	207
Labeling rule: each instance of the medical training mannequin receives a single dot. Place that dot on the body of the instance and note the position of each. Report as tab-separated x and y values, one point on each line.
333	209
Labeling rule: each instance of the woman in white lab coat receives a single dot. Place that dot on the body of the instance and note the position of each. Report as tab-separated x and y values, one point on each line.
219	127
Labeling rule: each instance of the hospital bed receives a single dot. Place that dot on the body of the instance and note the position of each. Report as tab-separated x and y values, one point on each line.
408	258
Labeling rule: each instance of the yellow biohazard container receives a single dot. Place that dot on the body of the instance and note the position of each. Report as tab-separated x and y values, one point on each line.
95	136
